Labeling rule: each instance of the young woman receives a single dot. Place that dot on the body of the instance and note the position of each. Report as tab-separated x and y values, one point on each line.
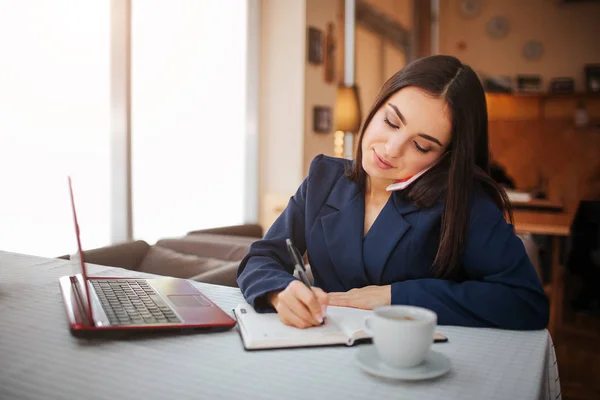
442	242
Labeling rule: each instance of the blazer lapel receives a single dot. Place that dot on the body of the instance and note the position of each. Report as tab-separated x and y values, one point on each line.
388	229
343	230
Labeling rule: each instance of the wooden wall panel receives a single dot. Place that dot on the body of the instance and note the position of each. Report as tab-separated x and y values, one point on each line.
552	152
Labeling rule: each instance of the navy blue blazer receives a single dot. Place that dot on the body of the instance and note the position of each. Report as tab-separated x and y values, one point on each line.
498	286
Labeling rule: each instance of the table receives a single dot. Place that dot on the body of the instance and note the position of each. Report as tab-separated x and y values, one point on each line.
39	359
538	205
558	226
543	223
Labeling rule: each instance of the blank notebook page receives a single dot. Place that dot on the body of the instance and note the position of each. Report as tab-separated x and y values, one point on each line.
342	325
350	320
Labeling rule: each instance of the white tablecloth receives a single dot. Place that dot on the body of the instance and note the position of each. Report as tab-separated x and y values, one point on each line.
39	359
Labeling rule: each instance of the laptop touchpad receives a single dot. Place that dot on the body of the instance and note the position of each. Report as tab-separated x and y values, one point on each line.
188	301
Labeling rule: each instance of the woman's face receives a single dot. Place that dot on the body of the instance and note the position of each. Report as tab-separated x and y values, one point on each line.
407	134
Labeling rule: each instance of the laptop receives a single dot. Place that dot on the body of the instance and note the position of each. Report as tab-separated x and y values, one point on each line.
102	305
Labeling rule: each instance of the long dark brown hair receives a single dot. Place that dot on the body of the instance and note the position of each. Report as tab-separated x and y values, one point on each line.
463	168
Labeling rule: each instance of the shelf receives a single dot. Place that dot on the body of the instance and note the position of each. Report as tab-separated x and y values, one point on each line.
540	205
548	96
529	106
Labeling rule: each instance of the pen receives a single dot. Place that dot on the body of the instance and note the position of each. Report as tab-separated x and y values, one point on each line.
297	261
298	265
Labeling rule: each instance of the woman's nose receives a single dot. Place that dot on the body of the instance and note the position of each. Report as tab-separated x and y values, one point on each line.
395	145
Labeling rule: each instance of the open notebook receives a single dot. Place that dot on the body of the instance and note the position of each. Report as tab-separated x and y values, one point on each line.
343	326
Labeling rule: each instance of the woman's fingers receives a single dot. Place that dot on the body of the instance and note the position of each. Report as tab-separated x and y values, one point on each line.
288	317
300	305
322	298
309	300
294	303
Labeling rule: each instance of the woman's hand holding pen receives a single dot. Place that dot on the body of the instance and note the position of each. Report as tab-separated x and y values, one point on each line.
300	306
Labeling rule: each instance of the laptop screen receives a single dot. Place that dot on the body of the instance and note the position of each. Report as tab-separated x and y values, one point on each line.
83	283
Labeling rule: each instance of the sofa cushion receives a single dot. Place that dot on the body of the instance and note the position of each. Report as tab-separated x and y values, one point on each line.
223	247
245	230
164	261
225	274
127	255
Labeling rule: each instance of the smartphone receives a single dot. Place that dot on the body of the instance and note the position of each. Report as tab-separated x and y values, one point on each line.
439	338
401	185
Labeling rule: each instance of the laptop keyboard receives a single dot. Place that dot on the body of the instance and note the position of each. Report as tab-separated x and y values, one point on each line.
132	302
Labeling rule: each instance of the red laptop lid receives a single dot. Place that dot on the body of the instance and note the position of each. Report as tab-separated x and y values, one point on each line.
85	292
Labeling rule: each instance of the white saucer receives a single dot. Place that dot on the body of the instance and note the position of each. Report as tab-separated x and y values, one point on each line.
435	364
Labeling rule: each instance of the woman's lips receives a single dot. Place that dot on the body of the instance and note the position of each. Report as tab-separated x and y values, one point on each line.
380	162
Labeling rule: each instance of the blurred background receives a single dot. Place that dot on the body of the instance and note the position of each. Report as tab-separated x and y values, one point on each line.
182	115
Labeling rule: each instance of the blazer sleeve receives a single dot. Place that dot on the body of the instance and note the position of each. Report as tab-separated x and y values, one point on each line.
503	290
267	267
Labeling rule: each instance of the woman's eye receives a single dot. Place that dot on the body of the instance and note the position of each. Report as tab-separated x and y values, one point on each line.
421	149
387	121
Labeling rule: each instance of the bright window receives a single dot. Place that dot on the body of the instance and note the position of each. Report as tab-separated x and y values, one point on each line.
188	115
54	121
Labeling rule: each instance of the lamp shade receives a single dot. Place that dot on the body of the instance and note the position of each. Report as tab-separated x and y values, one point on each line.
347	109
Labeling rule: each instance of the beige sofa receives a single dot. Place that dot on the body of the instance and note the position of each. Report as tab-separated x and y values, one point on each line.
211	255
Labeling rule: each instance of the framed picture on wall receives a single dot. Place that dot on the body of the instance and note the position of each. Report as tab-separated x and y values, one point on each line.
322	120
330	47
315	46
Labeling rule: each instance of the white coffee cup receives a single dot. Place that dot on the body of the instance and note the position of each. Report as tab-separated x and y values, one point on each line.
402	335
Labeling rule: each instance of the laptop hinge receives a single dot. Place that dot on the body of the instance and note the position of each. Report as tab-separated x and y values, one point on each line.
81	304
